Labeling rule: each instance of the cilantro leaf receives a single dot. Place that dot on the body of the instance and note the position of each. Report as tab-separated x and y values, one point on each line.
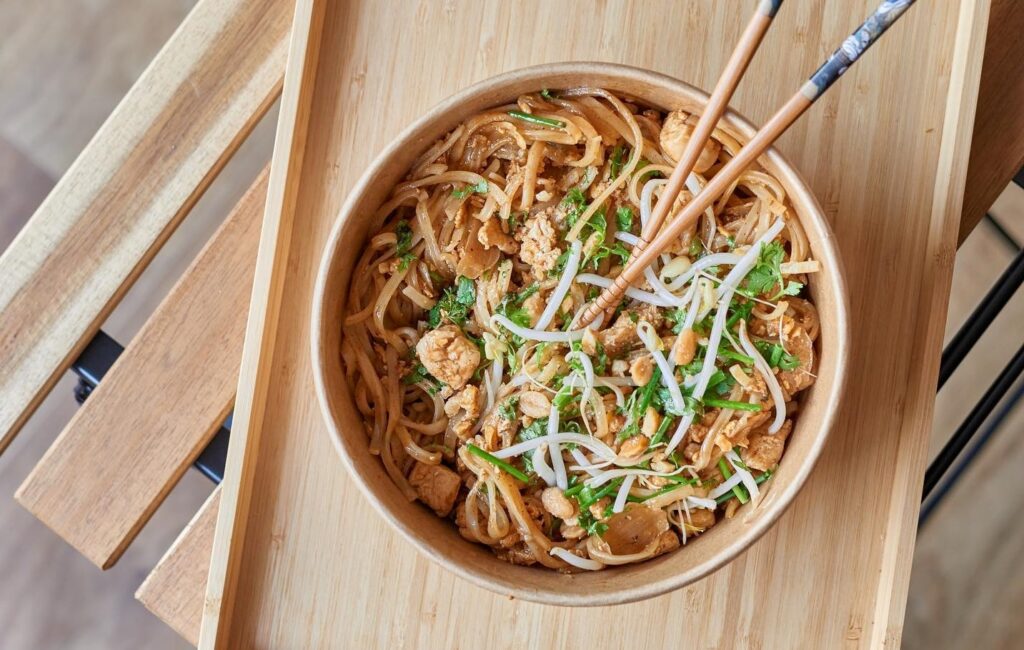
616	161
403	233
454	304
463	192
624	218
507	409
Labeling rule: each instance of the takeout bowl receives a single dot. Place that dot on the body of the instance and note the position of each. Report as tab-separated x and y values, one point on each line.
438	538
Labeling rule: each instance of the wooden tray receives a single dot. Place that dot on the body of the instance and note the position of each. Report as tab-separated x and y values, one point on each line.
301	560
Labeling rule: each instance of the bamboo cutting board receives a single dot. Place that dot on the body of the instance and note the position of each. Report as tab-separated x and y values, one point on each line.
300	560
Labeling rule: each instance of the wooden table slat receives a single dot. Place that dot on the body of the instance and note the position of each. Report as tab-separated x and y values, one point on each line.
173	590
997	147
158	406
127	191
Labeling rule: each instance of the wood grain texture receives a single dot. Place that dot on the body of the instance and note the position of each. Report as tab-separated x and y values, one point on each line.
997	150
313	551
158	406
128	190
272	267
173	591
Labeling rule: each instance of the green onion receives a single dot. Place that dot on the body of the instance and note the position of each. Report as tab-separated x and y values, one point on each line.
758	479
497	462
736	356
536	119
737	490
574	490
729	404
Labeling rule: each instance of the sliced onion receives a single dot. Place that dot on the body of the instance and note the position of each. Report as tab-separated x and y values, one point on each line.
770	380
572	265
620	498
575	560
607	557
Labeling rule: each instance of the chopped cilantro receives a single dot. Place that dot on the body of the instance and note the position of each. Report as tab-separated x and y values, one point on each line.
418	374
454	303
616	161
403	233
677	317
536	429
767	274
624	218
547	94
507	409
463	192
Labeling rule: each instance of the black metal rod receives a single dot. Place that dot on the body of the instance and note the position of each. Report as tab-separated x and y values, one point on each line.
950	479
973	422
1010	241
99	356
981	318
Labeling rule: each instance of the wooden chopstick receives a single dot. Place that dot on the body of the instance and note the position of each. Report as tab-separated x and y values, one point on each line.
830	71
717	103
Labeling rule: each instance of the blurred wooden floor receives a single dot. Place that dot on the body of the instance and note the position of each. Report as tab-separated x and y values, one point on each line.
64	64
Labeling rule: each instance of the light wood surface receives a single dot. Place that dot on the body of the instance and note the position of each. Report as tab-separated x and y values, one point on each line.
158	406
997	149
174	590
128	190
257	370
313	551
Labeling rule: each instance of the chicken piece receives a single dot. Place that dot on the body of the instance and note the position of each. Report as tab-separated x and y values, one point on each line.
491	235
448	355
800	345
463	410
621	336
539	238
436	485
765	449
675	135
